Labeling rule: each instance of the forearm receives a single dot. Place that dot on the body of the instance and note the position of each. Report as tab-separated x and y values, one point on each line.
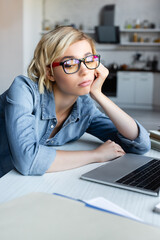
65	160
123	122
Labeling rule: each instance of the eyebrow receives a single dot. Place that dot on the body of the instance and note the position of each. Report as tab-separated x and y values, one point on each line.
71	57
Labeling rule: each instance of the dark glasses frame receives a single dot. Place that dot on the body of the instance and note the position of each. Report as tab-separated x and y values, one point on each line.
56	64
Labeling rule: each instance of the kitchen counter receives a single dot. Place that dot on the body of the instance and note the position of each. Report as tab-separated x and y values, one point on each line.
138	70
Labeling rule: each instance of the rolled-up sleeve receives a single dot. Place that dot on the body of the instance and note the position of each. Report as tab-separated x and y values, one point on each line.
43	160
140	145
28	155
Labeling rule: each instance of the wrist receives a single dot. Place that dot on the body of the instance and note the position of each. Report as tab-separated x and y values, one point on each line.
96	94
95	156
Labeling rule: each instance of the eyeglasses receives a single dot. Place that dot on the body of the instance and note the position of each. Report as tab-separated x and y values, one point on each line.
71	66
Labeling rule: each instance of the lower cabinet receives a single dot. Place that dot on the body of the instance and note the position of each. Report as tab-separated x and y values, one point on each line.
156	92
135	89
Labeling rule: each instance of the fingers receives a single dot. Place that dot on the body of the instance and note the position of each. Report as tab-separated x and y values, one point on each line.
109	150
116	146
101	70
119	149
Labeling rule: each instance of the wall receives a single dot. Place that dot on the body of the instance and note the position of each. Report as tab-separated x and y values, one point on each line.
32	25
11	62
20	27
86	12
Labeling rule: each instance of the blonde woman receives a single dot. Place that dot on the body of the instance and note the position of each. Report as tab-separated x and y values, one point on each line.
53	107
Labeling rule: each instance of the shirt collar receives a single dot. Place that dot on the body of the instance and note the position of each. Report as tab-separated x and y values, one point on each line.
48	107
75	114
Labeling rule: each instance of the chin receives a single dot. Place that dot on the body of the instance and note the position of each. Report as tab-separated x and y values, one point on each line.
84	92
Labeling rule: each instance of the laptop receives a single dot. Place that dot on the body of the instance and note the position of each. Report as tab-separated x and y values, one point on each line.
131	171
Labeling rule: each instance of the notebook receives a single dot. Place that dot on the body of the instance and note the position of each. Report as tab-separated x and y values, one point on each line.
131	171
46	216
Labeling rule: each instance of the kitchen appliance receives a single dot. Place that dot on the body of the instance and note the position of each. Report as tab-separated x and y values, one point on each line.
107	34
107	15
109	87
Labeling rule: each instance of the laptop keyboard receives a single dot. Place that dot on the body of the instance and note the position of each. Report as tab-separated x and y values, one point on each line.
146	176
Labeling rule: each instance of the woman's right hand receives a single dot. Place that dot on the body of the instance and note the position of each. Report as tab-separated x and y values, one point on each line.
108	151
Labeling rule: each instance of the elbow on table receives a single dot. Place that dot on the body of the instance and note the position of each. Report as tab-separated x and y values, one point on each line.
27	170
22	170
146	148
142	149
37	161
29	162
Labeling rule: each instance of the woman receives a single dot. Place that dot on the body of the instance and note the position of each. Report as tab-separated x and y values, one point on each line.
53	107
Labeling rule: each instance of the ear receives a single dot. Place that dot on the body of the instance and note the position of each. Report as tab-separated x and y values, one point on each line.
49	74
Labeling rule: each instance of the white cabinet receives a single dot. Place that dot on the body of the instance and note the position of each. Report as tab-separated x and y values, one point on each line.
156	92
143	88
125	88
135	89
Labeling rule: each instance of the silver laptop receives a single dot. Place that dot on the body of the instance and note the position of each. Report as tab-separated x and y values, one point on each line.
131	171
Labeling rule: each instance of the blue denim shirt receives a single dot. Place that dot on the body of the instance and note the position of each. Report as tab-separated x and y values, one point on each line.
27	119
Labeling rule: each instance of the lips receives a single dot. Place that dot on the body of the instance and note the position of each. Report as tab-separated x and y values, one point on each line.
85	83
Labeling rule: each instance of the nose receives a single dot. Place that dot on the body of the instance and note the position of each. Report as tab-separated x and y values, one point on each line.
83	68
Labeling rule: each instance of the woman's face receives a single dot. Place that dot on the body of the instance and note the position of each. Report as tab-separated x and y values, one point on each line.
78	83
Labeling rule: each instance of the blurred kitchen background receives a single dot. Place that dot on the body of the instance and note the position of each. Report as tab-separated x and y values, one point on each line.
127	36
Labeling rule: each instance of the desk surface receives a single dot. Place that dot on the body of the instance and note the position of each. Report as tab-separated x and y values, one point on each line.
14	185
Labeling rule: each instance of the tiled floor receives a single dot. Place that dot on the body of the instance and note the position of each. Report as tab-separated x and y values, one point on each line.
148	118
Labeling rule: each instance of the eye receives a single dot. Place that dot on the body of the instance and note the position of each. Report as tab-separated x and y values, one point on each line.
71	63
67	65
89	59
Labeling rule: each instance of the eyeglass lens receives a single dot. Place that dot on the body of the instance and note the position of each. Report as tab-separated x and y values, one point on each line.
73	65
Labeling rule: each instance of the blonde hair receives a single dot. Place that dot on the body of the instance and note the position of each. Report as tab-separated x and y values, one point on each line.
52	46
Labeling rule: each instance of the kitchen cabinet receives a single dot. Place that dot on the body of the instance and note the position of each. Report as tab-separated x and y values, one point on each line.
134	89
156	91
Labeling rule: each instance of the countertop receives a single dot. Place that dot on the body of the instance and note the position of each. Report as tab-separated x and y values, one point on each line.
133	70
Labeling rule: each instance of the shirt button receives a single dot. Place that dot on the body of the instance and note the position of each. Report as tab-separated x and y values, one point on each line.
52	126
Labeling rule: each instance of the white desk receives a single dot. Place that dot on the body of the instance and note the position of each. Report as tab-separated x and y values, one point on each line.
13	185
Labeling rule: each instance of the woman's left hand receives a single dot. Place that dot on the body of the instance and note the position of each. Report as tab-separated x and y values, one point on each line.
101	74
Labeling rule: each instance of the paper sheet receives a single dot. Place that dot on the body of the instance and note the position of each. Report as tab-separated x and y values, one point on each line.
105	204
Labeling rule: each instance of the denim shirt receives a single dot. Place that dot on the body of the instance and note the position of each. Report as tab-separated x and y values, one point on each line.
27	119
